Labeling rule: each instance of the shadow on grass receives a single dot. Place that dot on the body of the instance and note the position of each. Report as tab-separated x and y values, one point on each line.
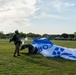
36	59
59	59
42	61
39	56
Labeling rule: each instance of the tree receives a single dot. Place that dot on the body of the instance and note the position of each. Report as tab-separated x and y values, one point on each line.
71	35
22	34
32	35
1	33
74	34
45	35
64	35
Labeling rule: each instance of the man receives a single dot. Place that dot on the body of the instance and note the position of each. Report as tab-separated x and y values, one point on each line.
17	42
31	49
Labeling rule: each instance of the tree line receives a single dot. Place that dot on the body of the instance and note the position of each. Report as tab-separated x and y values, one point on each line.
63	36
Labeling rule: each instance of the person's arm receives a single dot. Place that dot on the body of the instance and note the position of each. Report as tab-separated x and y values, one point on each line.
12	38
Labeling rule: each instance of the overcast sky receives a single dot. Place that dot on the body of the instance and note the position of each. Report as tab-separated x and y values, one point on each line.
38	16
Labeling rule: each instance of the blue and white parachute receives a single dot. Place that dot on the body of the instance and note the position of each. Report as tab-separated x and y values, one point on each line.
48	49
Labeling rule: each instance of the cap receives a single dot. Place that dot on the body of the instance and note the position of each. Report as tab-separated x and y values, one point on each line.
16	31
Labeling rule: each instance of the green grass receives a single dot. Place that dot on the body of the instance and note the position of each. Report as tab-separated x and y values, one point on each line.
34	64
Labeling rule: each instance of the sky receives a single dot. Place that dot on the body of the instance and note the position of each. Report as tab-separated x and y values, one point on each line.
38	16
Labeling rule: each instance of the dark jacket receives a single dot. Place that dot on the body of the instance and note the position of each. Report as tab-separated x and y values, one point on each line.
16	38
30	47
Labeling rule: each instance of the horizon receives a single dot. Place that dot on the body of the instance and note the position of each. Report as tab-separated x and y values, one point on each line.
37	33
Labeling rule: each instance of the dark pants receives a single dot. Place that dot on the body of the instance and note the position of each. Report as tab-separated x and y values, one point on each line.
16	49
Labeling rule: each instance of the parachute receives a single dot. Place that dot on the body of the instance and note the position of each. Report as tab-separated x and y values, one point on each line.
48	49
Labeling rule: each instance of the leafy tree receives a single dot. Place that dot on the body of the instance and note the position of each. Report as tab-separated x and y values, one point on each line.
32	35
64	35
22	34
1	33
71	35
74	34
45	35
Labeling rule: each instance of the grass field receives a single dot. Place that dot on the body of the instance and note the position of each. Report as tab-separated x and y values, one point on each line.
34	64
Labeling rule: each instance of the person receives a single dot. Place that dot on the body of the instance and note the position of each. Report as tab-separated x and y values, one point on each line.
31	49
17	42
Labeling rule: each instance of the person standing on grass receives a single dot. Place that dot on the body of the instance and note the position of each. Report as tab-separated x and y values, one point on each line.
17	42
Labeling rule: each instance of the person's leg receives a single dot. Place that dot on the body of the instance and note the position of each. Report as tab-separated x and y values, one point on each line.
18	49
15	50
30	50
36	50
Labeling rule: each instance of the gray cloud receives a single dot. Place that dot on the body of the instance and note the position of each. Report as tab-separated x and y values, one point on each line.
14	14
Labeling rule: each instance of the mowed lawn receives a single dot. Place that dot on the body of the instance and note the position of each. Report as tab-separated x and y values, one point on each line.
35	64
